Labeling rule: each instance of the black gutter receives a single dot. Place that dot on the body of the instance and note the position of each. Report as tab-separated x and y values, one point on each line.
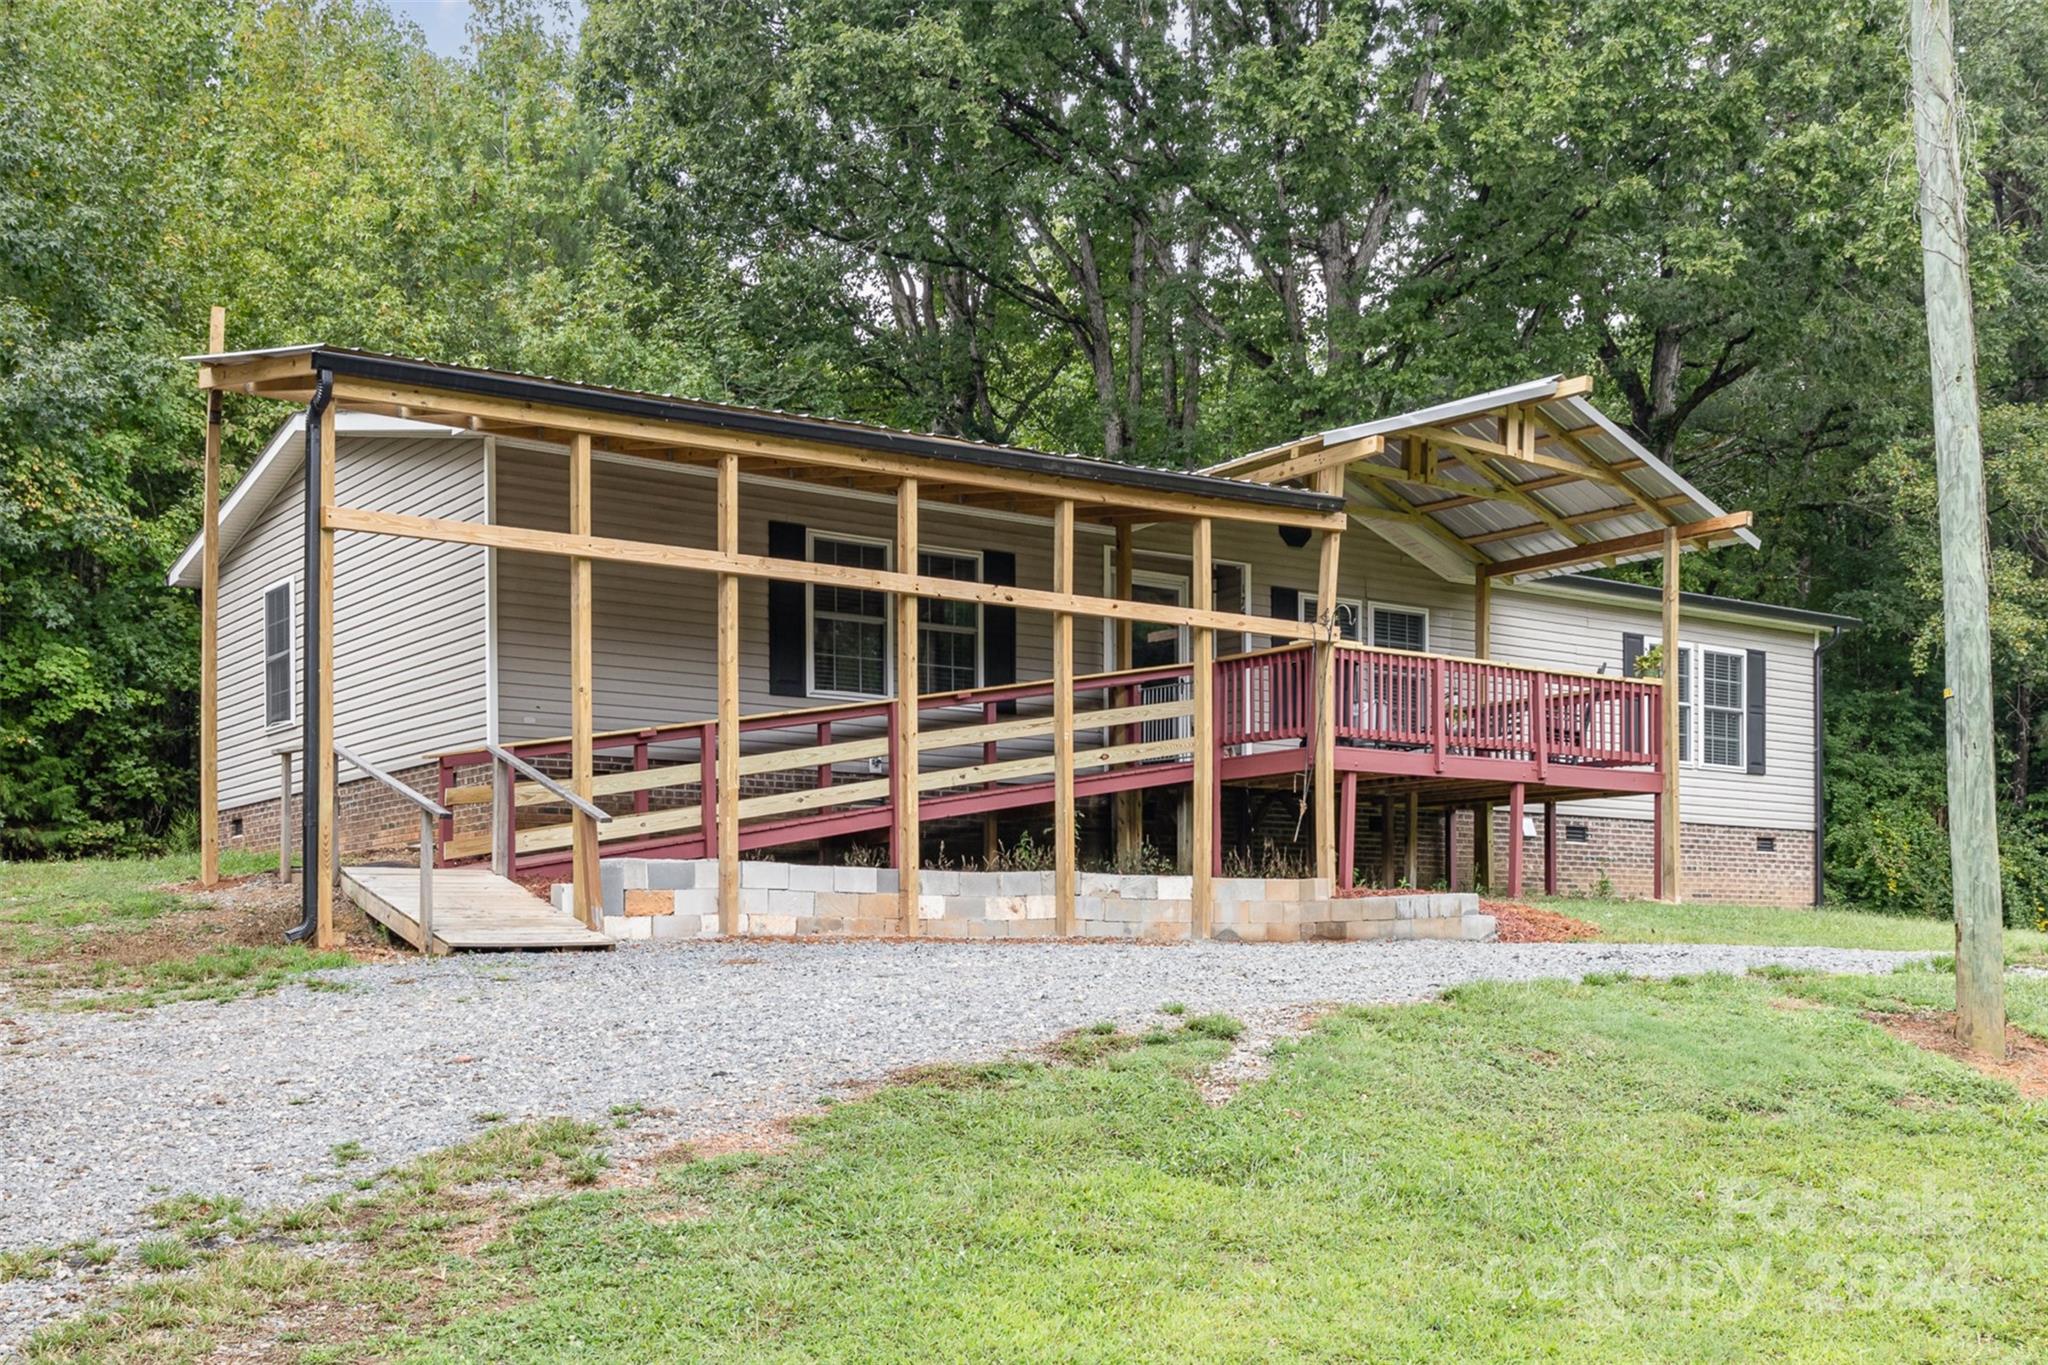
617	402
309	672
1820	763
1765	611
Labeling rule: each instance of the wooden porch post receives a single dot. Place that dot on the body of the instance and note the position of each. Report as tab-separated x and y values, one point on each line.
582	749
903	762
322	861
1482	616
1482	845
1450	838
1515	841
1063	824
1669	841
723	803
1127	807
209	629
1325	718
1202	800
1550	848
1411	865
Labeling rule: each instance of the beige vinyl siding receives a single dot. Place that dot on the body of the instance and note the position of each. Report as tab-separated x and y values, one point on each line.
409	641
654	633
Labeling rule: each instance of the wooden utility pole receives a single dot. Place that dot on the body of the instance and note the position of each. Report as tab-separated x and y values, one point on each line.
1966	598
209	626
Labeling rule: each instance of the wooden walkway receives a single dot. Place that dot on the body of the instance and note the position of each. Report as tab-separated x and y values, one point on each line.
474	910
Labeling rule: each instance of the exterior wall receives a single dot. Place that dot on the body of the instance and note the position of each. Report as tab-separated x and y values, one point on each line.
1722	862
373	817
664	898
409	631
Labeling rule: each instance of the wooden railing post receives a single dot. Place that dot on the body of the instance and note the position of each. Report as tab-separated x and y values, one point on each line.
1203	798
640	797
1440	688
583	875
504	819
1322	698
426	881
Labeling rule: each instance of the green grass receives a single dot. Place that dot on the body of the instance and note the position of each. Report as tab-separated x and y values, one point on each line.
111	934
1651	922
1706	1168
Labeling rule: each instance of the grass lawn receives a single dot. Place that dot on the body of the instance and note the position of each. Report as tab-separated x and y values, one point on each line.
1651	922
114	933
1707	1168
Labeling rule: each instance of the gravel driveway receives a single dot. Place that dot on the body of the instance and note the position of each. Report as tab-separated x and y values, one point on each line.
103	1114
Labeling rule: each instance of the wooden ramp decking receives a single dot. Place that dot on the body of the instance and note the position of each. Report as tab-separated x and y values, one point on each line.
474	910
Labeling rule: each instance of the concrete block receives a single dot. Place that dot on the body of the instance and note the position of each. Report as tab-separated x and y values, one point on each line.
878	905
1176	888
611	886
809	877
636	930
641	904
1162	931
931	908
753	901
678	926
944	928
981	883
887	879
764	876
1038	907
1005	908
562	896
771	925
937	881
632	873
674	874
1026	883
1380	909
698	902
1407	907
1476	928
792	903
854	880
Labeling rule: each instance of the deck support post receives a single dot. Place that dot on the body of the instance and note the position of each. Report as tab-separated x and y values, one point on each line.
323	852
1515	840
583	875
1482	846
903	758
1064	826
1323	718
1669	841
209	628
1550	848
1347	833
1411	868
284	813
1127	808
1449	826
1205	807
1389	872
1482	616
724	760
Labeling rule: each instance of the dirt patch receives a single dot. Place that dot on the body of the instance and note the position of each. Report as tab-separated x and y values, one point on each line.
1519	923
1250	1059
2025	1067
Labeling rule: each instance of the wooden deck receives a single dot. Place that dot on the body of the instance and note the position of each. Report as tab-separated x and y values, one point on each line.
475	910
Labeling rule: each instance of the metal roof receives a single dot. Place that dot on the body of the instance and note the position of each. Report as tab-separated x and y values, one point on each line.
370	365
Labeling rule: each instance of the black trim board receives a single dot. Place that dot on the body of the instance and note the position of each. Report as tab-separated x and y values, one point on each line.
619	402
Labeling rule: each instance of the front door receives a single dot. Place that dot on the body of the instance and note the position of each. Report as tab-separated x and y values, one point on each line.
1156	644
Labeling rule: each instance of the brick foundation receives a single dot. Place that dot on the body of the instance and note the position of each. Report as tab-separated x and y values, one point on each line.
1721	862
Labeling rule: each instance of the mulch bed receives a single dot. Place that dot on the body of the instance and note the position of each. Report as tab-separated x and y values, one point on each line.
2025	1067
1519	923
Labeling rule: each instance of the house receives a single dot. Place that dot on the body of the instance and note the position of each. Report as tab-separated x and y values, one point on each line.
590	626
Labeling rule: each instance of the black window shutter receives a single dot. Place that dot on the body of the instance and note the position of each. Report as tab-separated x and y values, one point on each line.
999	627
1753	698
1287	607
1631	724
786	612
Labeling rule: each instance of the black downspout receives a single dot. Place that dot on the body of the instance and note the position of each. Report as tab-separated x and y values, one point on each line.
1820	758
309	701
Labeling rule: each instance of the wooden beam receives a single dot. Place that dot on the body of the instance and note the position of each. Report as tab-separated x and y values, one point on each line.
693	559
1701	532
903	762
1614	468
1202	796
1411	866
1316	461
1482	616
1598	514
727	770
1325	714
583	874
209	625
1388	871
1669	757
1418	511
321	861
1063	823
1086	493
1516	850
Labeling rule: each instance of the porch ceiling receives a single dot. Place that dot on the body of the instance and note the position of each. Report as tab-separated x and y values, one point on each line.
1519	482
827	452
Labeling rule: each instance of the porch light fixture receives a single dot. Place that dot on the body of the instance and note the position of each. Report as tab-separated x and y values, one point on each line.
1294	537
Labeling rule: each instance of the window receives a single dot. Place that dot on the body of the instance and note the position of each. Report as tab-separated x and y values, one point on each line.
1721	700
278	643
948	633
1348	614
1712	706
849	626
1400	628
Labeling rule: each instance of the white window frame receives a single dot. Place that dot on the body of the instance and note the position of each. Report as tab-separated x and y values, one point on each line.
812	535
980	567
1694	751
1306	607
1110	663
291	653
1370	635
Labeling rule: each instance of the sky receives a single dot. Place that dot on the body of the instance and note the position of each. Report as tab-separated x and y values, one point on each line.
445	22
